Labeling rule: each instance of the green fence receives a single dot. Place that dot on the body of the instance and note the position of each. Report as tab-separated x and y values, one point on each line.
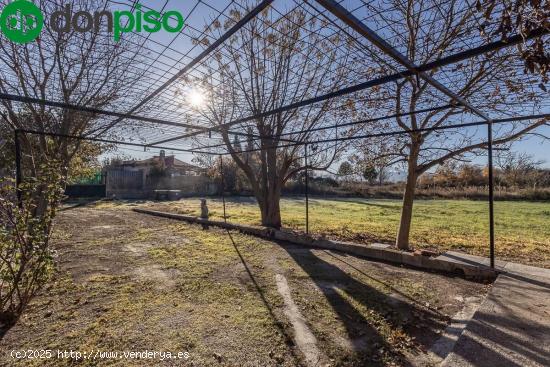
95	179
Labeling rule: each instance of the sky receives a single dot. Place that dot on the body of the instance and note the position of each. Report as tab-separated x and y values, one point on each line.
538	147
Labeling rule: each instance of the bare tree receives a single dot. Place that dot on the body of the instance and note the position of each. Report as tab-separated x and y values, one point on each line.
493	82
88	69
516	168
273	61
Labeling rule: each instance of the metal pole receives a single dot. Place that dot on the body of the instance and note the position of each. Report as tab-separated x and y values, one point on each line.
307	192
394	133
223	188
18	172
491	194
115	142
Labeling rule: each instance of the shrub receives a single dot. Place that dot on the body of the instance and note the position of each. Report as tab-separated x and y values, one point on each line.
25	257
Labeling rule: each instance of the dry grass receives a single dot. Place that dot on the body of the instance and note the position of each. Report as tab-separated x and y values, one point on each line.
522	230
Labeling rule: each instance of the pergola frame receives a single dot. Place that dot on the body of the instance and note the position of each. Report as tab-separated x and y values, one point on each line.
348	18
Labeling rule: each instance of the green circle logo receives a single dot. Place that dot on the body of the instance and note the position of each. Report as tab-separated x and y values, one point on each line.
21	21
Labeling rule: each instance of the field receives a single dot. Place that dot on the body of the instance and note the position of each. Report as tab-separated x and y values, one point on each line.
132	282
522	228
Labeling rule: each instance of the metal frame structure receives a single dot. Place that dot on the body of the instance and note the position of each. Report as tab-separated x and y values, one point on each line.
241	23
348	18
448	60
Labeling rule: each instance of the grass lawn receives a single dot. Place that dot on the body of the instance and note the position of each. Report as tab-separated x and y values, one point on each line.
132	282
522	228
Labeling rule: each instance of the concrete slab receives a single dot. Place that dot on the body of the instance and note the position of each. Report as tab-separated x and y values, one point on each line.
445	344
379	245
512	326
461	258
526	270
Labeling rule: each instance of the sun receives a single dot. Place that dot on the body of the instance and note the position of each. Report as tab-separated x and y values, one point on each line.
196	98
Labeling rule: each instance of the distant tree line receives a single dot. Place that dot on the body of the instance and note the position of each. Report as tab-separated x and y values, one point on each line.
515	171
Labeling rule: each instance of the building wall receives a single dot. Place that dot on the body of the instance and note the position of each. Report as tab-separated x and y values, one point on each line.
187	184
126	184
135	184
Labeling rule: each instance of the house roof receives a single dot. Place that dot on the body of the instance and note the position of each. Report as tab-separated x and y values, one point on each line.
176	163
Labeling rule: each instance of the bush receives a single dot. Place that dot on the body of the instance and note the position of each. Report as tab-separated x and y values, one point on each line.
25	258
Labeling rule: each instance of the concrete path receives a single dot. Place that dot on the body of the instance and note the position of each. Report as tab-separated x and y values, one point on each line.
512	325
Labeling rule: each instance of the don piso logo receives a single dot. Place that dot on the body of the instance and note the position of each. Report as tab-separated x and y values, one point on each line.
21	21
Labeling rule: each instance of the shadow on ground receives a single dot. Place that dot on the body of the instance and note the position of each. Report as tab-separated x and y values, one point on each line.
511	328
342	290
288	339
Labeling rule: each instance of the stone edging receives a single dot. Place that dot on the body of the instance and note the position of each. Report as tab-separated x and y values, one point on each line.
376	252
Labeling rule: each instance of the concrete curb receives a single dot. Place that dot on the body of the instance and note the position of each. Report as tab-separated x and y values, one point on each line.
376	252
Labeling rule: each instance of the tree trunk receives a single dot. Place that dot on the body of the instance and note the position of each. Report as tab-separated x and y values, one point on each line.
403	233
271	213
270	208
406	214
